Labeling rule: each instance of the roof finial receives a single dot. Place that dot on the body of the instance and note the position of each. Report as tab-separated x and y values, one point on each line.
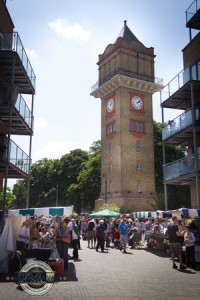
125	23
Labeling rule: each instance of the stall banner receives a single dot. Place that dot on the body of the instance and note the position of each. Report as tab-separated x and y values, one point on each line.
144	214
182	213
43	211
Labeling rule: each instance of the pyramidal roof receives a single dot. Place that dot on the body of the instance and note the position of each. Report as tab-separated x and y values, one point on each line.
127	34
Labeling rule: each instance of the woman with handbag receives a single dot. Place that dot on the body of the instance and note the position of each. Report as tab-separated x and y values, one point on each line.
65	240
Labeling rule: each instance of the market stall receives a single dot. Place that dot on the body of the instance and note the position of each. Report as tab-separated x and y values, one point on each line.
13	224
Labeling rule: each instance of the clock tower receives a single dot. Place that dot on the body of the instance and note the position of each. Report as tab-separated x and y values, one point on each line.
126	85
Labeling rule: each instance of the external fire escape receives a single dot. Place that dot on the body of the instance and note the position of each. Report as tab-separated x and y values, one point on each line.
183	93
17	83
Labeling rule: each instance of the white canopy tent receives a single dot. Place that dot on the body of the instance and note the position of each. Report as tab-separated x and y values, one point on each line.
13	224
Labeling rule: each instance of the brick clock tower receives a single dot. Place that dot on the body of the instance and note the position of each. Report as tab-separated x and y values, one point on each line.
126	84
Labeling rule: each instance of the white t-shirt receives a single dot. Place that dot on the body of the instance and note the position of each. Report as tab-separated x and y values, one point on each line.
24	234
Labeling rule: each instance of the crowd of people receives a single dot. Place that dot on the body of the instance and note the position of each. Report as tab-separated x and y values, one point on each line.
63	233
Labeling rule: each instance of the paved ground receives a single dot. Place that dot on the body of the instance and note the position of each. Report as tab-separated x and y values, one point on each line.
140	274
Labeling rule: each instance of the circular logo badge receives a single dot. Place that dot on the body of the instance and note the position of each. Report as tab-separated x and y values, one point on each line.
36	277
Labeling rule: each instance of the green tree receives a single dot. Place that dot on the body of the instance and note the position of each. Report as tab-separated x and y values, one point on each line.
20	192
10	199
87	188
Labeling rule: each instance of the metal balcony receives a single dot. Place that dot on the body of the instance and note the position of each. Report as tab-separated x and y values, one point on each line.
130	74
18	162
14	60
193	15
177	93
181	171
180	130
21	116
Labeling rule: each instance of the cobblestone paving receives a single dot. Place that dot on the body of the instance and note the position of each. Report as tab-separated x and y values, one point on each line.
139	274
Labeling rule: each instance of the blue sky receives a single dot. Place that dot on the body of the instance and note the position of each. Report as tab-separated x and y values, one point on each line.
63	39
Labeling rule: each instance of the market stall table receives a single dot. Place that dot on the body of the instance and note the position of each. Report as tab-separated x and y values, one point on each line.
42	254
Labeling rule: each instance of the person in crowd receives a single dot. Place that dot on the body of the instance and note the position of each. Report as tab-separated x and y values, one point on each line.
193	225
83	228
24	239
189	240
132	236
147	224
90	233
100	234
123	229
175	244
139	233
107	232
44	236
116	238
64	232
75	239
96	222
79	228
24	235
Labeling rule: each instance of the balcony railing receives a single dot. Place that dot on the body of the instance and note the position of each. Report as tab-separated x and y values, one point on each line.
155	80
23	110
12	41
192	9
18	157
178	124
190	73
178	168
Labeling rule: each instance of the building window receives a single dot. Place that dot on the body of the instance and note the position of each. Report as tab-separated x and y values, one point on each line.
110	167
137	146
110	128
110	187
110	148
137	126
138	167
139	186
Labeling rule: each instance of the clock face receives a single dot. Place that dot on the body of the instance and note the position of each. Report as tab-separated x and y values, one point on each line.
137	102
110	105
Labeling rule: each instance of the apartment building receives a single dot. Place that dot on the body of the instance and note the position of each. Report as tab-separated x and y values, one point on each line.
183	93
17	89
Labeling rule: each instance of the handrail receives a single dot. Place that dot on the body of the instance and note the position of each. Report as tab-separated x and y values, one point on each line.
95	86
12	41
192	9
179	168
187	74
23	110
178	124
18	157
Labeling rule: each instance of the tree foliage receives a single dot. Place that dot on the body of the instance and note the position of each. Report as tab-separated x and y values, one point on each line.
10	199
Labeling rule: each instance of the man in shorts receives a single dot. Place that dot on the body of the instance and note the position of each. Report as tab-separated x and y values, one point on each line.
90	233
123	229
175	243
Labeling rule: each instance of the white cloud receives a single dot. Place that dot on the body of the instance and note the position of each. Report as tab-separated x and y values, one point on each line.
75	32
31	53
55	149
40	123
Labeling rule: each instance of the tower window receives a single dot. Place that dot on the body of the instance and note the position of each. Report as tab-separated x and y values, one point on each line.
137	126
110	128
110	148
137	147
110	187
110	167
138	167
139	186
